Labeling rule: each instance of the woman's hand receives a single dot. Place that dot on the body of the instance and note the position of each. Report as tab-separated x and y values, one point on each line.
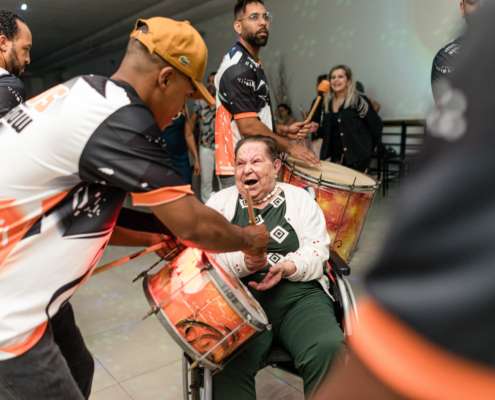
274	275
254	264
197	168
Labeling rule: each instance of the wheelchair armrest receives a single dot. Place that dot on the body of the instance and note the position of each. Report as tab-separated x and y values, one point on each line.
339	265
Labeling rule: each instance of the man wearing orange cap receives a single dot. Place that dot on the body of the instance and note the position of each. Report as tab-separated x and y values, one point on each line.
73	153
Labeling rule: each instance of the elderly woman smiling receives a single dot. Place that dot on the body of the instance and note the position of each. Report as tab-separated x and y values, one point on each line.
287	281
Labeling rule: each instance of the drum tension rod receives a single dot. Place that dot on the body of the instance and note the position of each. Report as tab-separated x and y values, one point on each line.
196	363
343	215
318	187
155	309
144	274
292	171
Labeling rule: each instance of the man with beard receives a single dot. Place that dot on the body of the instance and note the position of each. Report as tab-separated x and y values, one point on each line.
443	64
206	114
243	97
15	43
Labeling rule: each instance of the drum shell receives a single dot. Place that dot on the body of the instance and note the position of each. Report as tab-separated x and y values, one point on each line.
205	310
340	206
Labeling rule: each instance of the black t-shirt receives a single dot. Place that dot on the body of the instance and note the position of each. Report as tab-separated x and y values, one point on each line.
437	270
12	92
443	67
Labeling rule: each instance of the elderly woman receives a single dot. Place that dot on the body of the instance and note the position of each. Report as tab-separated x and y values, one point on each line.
287	281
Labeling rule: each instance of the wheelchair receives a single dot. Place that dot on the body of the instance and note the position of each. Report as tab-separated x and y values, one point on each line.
197	382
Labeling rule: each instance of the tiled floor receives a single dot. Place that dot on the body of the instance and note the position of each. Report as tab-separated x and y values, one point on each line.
138	360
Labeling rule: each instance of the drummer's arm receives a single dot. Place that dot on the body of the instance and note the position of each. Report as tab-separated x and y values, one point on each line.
127	237
199	226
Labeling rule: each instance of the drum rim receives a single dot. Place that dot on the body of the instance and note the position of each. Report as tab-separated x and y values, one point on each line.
178	338
238	307
333	184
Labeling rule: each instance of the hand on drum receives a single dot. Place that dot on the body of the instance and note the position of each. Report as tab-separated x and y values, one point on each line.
168	244
304	154
257	237
255	264
274	275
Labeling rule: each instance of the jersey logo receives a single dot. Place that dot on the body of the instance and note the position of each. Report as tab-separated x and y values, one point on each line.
45	99
17	119
184	60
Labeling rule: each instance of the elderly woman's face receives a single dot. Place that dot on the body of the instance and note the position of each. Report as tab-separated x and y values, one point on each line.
255	170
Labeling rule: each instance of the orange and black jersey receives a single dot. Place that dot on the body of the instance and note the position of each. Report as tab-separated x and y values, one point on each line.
242	92
12	92
68	158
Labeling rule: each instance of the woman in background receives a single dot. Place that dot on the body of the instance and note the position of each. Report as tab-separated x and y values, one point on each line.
350	126
179	139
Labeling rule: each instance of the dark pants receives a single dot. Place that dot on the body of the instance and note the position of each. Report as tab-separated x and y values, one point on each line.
306	328
58	367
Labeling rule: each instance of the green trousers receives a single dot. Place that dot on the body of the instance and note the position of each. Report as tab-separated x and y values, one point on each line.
303	321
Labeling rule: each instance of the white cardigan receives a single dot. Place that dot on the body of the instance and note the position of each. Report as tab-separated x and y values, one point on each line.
308	221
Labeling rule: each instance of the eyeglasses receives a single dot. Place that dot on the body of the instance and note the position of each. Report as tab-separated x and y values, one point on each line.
256	17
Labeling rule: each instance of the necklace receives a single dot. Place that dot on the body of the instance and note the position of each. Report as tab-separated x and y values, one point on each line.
268	196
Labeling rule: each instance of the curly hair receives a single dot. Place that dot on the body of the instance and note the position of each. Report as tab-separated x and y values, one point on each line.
8	24
241	6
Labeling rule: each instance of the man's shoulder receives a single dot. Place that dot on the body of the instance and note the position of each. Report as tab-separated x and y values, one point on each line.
450	49
7	79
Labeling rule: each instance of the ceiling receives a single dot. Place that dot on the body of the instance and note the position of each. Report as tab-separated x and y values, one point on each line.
68	31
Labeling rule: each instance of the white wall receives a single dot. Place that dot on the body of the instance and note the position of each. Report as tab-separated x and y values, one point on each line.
389	44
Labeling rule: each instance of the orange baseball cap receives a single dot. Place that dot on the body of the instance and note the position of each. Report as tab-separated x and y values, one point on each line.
180	45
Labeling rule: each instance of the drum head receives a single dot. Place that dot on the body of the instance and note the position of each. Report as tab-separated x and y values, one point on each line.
333	173
229	282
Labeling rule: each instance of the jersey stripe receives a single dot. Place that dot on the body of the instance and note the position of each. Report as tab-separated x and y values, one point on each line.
161	196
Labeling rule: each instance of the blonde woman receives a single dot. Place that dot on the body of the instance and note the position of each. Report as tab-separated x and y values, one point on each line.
350	126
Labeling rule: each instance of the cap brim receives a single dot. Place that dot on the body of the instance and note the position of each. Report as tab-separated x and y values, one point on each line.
202	93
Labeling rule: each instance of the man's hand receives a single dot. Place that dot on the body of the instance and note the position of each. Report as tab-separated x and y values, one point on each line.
304	154
298	130
254	264
169	243
257	237
274	275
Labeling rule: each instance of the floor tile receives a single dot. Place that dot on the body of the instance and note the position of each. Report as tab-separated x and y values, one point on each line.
161	384
109	310
134	349
292	380
269	387
297	395
101	378
115	392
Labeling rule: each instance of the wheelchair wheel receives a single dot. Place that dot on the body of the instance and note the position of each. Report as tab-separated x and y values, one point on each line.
196	383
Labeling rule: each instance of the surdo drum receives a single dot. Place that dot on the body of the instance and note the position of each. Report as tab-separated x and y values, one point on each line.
206	309
344	195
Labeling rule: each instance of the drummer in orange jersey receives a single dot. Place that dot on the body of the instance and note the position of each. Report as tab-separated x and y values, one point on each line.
288	280
106	144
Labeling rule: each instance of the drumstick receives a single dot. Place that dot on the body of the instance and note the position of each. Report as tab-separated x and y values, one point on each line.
125	259
250	206
323	88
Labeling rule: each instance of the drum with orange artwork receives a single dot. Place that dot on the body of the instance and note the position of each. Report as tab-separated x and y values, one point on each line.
204	307
344	195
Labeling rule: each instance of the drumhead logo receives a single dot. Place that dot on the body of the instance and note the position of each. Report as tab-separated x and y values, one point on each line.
184	61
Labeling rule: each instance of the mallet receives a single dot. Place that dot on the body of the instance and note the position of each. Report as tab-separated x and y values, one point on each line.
323	88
